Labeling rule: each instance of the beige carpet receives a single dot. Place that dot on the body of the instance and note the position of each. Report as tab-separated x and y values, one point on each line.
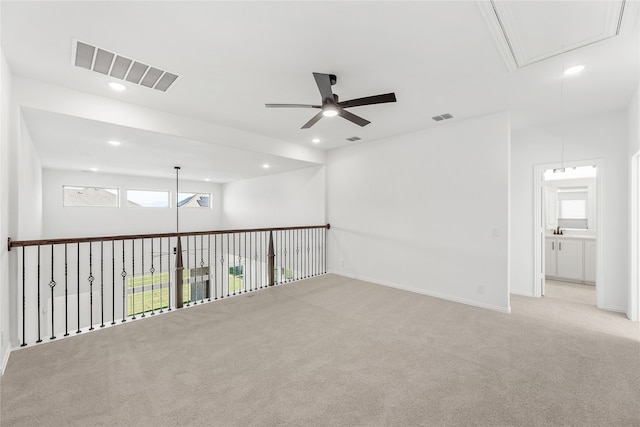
335	351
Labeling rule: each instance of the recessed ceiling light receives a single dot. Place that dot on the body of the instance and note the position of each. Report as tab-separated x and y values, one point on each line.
93	169
315	140
117	86
114	143
573	70
207	180
266	166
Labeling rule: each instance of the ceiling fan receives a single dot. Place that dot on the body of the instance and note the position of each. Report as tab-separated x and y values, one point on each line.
331	106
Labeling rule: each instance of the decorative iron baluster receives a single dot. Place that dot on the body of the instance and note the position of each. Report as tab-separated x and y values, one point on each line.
215	267
209	267
90	279
324	249
66	286
152	270
124	291
259	259
189	274
133	278
255	259
52	284
244	273
142	277
24	300
102	284
78	295
161	276
113	282
39	339
228	280
169	274
202	283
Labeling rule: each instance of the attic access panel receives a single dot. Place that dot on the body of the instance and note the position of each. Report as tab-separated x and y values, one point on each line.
531	31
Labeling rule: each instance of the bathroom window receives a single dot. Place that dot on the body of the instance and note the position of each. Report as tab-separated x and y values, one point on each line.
573	207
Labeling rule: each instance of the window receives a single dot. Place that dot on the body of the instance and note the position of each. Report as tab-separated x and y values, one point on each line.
147	198
194	200
572	207
90	196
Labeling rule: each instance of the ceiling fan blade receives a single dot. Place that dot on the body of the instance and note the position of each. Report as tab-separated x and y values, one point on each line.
313	121
324	85
291	106
352	117
368	100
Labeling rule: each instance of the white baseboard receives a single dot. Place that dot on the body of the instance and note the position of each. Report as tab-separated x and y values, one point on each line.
522	293
423	292
5	358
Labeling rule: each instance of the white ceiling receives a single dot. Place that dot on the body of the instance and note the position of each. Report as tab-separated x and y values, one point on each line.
233	57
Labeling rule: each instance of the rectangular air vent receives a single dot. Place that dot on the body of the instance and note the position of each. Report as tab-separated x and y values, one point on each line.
442	117
354	139
108	63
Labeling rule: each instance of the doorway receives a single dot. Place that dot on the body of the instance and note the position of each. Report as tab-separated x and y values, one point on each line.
634	289
568	225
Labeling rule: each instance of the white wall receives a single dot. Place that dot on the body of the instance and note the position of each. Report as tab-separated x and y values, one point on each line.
5	228
604	138
427	212
62	221
30	188
633	309
286	199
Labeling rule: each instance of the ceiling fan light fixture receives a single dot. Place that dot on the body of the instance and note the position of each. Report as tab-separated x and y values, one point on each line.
329	112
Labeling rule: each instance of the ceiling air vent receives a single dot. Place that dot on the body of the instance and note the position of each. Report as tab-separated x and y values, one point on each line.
111	64
442	117
354	139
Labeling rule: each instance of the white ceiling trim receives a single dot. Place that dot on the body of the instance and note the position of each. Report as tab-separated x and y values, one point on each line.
499	17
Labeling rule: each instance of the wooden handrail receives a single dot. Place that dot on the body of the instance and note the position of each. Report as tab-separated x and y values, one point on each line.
19	243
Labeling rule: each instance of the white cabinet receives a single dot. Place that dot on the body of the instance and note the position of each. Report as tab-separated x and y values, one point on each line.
550	257
590	261
571	259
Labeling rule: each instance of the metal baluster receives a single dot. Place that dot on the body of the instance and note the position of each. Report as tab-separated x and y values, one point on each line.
284	255
152	270
24	300
161	276
215	267
169	274
78	295
222	265
52	284
249	261
142	277
228	263
202	283
189	273
133	278
90	279
102	284
113	282
39	339
324	249
124	291
208	267
66	286
260	260
244	273
234	264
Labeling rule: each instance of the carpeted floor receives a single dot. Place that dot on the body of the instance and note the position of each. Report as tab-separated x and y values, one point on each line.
340	352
